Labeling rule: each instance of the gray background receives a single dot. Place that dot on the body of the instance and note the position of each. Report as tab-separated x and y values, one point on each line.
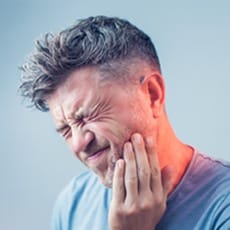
192	39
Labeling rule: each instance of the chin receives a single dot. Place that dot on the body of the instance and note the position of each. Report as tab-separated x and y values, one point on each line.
107	180
107	184
106	175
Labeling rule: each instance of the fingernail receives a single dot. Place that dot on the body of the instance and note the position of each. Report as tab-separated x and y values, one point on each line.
120	163
137	138
128	148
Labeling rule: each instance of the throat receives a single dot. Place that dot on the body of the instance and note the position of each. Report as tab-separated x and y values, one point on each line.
180	165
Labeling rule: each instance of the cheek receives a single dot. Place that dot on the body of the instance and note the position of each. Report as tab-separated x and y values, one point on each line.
140	121
113	131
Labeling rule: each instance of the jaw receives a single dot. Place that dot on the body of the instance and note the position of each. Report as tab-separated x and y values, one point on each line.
105	169
106	178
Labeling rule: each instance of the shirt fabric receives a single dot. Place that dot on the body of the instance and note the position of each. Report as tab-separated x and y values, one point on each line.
201	201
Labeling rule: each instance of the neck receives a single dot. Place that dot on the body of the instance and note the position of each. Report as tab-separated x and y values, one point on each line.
171	151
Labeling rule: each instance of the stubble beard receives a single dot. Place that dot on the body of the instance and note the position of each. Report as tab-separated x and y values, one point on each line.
108	180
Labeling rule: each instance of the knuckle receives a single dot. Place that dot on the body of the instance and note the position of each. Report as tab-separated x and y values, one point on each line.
131	179
158	200
118	211
146	206
132	210
160	203
155	171
143	171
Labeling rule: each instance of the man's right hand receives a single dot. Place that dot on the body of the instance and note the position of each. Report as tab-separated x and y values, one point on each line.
140	188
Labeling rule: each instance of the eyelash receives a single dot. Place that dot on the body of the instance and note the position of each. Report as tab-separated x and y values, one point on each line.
81	119
66	130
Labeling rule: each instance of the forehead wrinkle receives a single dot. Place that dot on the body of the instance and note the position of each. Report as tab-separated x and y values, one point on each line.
58	115
75	94
60	105
72	107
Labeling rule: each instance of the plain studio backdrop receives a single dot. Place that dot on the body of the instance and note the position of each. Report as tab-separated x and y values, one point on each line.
192	40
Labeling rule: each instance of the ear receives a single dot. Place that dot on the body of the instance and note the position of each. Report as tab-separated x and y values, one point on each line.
154	84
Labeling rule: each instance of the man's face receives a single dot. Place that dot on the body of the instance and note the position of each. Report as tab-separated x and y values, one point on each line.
96	117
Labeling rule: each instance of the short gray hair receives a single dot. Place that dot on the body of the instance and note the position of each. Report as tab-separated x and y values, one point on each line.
94	41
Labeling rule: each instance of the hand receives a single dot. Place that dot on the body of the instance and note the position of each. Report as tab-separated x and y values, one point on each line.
140	188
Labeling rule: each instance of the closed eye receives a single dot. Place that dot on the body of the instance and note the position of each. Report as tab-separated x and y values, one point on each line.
79	118
64	130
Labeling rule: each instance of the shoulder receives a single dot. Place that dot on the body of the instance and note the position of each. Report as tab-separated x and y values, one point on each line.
215	184
203	194
209	174
70	196
211	170
76	186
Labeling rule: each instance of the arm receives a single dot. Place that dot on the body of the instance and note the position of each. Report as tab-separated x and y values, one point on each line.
140	188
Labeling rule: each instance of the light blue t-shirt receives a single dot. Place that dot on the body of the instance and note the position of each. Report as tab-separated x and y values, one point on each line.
201	201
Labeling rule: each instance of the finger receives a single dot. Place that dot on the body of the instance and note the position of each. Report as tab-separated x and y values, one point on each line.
156	185
166	178
143	167
118	182
131	184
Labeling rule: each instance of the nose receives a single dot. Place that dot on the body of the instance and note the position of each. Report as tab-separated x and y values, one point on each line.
80	139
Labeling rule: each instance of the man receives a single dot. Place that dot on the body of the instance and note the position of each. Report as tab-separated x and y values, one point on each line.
101	81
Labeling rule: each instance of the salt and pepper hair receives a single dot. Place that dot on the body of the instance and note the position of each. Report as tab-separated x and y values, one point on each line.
95	41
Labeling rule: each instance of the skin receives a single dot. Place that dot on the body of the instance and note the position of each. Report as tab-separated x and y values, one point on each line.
140	189
119	131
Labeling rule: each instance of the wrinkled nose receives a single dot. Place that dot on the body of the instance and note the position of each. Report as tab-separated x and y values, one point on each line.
80	139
